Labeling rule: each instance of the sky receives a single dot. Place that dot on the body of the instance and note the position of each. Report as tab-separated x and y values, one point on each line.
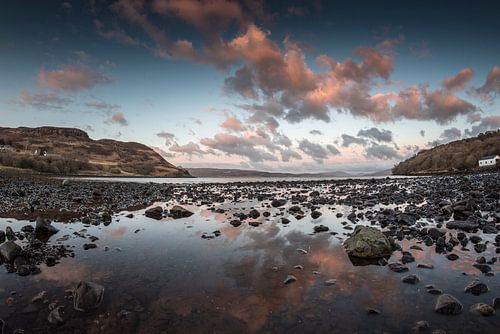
296	86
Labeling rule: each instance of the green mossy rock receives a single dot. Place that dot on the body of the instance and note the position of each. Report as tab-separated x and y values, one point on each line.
368	243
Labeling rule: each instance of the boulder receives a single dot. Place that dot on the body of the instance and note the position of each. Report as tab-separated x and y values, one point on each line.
254	214
87	296
10	250
476	288
483	309
178	211
368	243
462	225
447	304
276	203
45	226
155	213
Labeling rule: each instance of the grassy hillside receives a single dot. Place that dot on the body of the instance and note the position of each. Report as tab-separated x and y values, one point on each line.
72	151
460	155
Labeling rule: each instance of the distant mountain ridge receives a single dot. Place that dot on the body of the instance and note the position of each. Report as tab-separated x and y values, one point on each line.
223	172
457	156
71	151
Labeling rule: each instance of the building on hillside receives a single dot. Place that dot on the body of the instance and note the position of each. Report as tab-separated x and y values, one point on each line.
490	160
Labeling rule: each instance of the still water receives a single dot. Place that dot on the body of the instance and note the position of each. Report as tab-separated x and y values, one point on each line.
193	180
162	276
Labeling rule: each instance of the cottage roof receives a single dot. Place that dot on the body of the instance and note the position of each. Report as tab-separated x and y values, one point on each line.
489	157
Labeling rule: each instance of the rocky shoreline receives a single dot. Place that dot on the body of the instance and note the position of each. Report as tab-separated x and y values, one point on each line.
450	215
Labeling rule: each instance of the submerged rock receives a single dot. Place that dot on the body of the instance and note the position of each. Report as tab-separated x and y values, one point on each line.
483	309
397	267
368	242
87	296
331	281
56	316
290	279
410	279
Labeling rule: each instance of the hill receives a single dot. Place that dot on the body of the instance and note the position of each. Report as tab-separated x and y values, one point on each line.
222	172
457	156
71	151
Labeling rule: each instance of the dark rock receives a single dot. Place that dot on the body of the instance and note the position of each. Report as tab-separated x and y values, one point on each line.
421	327
276	203
447	304
178	212
10	250
290	279
44	226
87	296
254	214
479	248
462	225
235	222
397	267
155	212
27	229
435	233
475	239
410	279
476	288
316	214
482	309
452	257
496	303
56	316
321	228
484	268
285	220
407	258
372	311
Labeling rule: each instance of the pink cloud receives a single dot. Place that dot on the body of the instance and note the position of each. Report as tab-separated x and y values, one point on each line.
118	118
233	124
491	87
278	78
71	78
42	101
213	15
459	80
189	149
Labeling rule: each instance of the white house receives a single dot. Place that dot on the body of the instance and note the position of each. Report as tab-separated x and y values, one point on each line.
490	160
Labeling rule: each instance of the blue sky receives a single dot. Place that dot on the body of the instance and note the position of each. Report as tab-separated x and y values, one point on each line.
313	74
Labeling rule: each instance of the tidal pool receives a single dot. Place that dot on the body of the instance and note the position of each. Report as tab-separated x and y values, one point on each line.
163	276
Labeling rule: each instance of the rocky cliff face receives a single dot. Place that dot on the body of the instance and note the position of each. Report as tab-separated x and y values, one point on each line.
72	151
460	155
45	131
